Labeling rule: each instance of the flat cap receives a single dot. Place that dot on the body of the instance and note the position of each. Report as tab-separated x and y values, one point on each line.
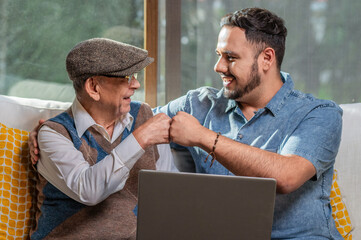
102	56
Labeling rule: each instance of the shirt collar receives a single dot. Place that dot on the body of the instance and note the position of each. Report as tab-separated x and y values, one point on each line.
83	120
230	103
276	102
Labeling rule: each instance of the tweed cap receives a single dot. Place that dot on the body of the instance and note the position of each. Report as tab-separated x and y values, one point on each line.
102	56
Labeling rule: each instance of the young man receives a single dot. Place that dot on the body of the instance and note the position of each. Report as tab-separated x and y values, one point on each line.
258	125
91	153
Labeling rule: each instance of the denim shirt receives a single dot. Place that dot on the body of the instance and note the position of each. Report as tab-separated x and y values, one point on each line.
291	123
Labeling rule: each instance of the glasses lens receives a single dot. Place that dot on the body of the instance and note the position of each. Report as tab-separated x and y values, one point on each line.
130	78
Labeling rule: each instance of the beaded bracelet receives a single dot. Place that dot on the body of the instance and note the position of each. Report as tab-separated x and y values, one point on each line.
212	153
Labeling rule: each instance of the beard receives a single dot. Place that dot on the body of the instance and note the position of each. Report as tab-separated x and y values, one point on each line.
254	81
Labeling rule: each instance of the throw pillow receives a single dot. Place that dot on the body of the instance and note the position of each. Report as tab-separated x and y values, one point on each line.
339	211
17	184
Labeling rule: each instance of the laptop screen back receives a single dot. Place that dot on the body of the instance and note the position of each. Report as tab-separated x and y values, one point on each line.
202	206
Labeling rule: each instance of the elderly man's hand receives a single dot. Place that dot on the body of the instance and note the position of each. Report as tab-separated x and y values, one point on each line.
186	130
33	143
154	131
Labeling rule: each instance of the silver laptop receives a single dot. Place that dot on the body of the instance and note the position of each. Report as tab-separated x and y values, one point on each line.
186	206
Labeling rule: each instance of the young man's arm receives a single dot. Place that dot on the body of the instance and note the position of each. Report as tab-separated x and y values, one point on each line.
291	169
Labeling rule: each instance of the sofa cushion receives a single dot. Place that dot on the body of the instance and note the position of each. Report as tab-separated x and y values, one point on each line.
339	210
18	117
24	113
348	164
17	184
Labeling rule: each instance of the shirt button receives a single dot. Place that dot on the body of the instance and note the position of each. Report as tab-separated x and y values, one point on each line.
240	136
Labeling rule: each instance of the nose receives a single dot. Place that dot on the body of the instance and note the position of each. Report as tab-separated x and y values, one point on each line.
134	83
220	66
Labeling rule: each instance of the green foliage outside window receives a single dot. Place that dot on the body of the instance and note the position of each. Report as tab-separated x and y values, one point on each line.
36	35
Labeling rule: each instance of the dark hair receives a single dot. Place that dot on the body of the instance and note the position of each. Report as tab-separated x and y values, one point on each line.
262	28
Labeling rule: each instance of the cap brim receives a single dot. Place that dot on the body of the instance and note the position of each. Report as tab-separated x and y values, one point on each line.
133	69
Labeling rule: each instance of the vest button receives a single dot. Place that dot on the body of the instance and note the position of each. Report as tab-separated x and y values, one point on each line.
240	136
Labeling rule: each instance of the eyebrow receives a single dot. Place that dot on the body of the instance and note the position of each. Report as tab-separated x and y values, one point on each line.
228	52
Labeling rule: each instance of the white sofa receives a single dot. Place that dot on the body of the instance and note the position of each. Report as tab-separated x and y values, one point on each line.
24	114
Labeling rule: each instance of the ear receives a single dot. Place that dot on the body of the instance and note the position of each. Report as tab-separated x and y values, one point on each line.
91	87
268	58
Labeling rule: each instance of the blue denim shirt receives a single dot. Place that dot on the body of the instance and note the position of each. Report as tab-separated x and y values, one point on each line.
291	123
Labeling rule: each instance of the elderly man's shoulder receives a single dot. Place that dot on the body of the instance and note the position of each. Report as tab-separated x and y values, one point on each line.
141	107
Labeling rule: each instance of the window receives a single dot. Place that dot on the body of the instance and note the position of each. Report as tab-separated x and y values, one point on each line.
322	47
36	35
322	52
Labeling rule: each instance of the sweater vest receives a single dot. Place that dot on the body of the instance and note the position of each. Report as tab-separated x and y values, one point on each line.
60	217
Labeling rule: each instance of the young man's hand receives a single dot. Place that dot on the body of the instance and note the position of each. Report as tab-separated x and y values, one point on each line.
33	143
186	130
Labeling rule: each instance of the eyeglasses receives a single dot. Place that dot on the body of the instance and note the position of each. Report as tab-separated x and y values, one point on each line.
128	78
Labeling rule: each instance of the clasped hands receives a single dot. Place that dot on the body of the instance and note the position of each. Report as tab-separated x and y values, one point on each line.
160	129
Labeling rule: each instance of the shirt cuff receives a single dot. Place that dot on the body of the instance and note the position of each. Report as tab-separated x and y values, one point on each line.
127	152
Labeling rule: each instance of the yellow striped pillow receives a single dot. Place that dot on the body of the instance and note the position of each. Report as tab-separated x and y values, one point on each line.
17	187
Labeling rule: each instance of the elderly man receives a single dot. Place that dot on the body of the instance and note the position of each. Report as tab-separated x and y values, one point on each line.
91	153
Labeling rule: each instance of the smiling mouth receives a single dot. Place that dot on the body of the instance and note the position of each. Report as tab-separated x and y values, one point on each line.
227	80
129	96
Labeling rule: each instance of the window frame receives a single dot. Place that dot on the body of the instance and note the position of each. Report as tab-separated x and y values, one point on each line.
151	45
